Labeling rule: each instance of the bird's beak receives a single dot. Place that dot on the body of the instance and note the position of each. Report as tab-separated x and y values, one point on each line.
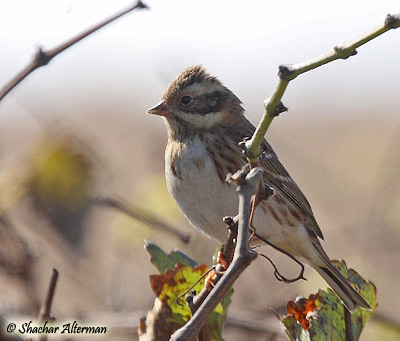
161	109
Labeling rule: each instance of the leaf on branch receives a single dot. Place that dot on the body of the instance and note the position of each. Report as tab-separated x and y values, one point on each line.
168	286
327	322
301	308
163	261
178	273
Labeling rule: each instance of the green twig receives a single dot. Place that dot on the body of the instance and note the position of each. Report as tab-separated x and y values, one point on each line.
273	105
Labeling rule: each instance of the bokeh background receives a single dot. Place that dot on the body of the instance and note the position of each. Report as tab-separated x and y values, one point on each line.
77	128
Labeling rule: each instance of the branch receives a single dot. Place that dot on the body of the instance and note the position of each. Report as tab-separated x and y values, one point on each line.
45	310
233	226
243	257
42	58
273	105
347	325
138	214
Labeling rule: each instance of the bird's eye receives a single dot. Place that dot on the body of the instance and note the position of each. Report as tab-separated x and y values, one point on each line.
186	100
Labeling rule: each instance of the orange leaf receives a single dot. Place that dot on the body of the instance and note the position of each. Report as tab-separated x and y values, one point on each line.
301	308
157	281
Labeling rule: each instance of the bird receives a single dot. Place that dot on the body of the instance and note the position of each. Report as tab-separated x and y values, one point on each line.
206	124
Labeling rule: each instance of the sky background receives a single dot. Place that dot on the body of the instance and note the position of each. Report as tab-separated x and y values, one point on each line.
131	61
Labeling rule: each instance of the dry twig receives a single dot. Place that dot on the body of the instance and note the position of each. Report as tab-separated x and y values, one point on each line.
42	58
45	310
140	215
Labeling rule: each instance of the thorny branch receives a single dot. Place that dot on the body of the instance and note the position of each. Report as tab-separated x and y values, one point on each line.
243	256
42	57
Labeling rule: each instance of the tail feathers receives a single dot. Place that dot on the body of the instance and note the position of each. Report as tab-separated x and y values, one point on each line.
350	298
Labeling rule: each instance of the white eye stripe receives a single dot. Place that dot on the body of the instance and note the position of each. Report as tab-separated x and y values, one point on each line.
201	121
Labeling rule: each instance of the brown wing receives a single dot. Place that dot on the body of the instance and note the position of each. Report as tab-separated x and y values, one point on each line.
278	177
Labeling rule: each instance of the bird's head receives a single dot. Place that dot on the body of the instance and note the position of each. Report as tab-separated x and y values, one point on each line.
198	100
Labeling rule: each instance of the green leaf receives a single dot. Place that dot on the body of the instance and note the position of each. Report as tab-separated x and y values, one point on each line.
290	326
163	261
329	322
178	273
173	283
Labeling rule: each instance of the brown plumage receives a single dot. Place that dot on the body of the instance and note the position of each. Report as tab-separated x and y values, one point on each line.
205	123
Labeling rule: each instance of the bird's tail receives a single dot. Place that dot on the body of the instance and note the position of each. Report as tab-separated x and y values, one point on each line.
350	298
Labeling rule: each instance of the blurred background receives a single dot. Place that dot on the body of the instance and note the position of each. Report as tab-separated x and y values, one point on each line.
77	129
